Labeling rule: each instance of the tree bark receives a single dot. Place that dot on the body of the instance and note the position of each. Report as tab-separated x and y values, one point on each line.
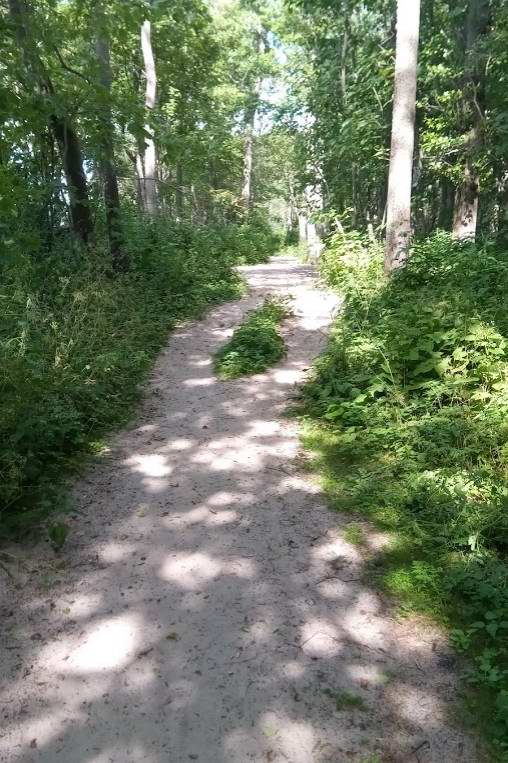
465	213
465	209
343	60
249	130
150	154
63	131
179	191
106	139
302	227
398	222
247	161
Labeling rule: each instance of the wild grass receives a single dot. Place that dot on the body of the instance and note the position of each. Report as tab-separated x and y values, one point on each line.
256	344
76	344
407	418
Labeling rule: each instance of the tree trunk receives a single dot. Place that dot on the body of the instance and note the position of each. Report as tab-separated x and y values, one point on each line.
247	162
249	130
398	222
465	213
140	181
150	154
179	191
65	135
445	205
106	137
302	227
465	209
343	59
77	186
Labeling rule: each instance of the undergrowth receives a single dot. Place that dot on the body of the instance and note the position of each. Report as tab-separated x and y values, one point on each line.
407	416
256	344
75	344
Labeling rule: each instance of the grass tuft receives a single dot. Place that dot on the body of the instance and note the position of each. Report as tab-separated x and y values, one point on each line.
256	344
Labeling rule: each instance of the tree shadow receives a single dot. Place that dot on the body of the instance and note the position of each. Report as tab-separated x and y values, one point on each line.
208	607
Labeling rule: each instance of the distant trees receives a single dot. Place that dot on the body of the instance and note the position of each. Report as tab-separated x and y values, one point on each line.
342	60
112	107
35	78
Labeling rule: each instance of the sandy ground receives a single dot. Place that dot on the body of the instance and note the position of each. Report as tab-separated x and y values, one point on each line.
206	606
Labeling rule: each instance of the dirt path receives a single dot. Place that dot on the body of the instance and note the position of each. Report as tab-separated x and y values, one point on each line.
207	607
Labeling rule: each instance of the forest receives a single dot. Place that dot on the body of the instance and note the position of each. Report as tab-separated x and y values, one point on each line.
150	150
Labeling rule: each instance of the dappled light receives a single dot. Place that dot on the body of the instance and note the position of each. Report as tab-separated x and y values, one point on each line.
254	381
208	607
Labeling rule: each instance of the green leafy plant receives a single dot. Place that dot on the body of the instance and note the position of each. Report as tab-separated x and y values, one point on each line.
75	345
256	344
354	534
345	700
407	416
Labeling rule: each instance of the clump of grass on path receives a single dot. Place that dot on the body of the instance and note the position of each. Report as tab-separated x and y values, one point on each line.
256	344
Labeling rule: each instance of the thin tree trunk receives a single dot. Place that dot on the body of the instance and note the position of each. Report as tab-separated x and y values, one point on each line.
106	133
302	227
65	135
398	222
465	209
502	205
354	195
179	191
465	213
247	162
140	181
150	154
249	132
343	59
77	186
445	206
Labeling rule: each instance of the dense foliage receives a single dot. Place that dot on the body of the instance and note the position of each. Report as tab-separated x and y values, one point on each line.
123	138
407	416
75	344
148	147
256	344
341	56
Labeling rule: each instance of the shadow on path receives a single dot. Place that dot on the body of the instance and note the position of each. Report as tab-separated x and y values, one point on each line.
208	607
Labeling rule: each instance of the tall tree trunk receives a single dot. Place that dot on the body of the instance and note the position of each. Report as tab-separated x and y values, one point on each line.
63	131
249	130
398	222
150	154
465	213
77	186
106	136
343	60
247	161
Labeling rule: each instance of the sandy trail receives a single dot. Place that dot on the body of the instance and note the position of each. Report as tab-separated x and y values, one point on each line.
207	606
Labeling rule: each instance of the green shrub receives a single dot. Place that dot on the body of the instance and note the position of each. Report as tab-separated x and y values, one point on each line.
75	343
256	344
407	415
